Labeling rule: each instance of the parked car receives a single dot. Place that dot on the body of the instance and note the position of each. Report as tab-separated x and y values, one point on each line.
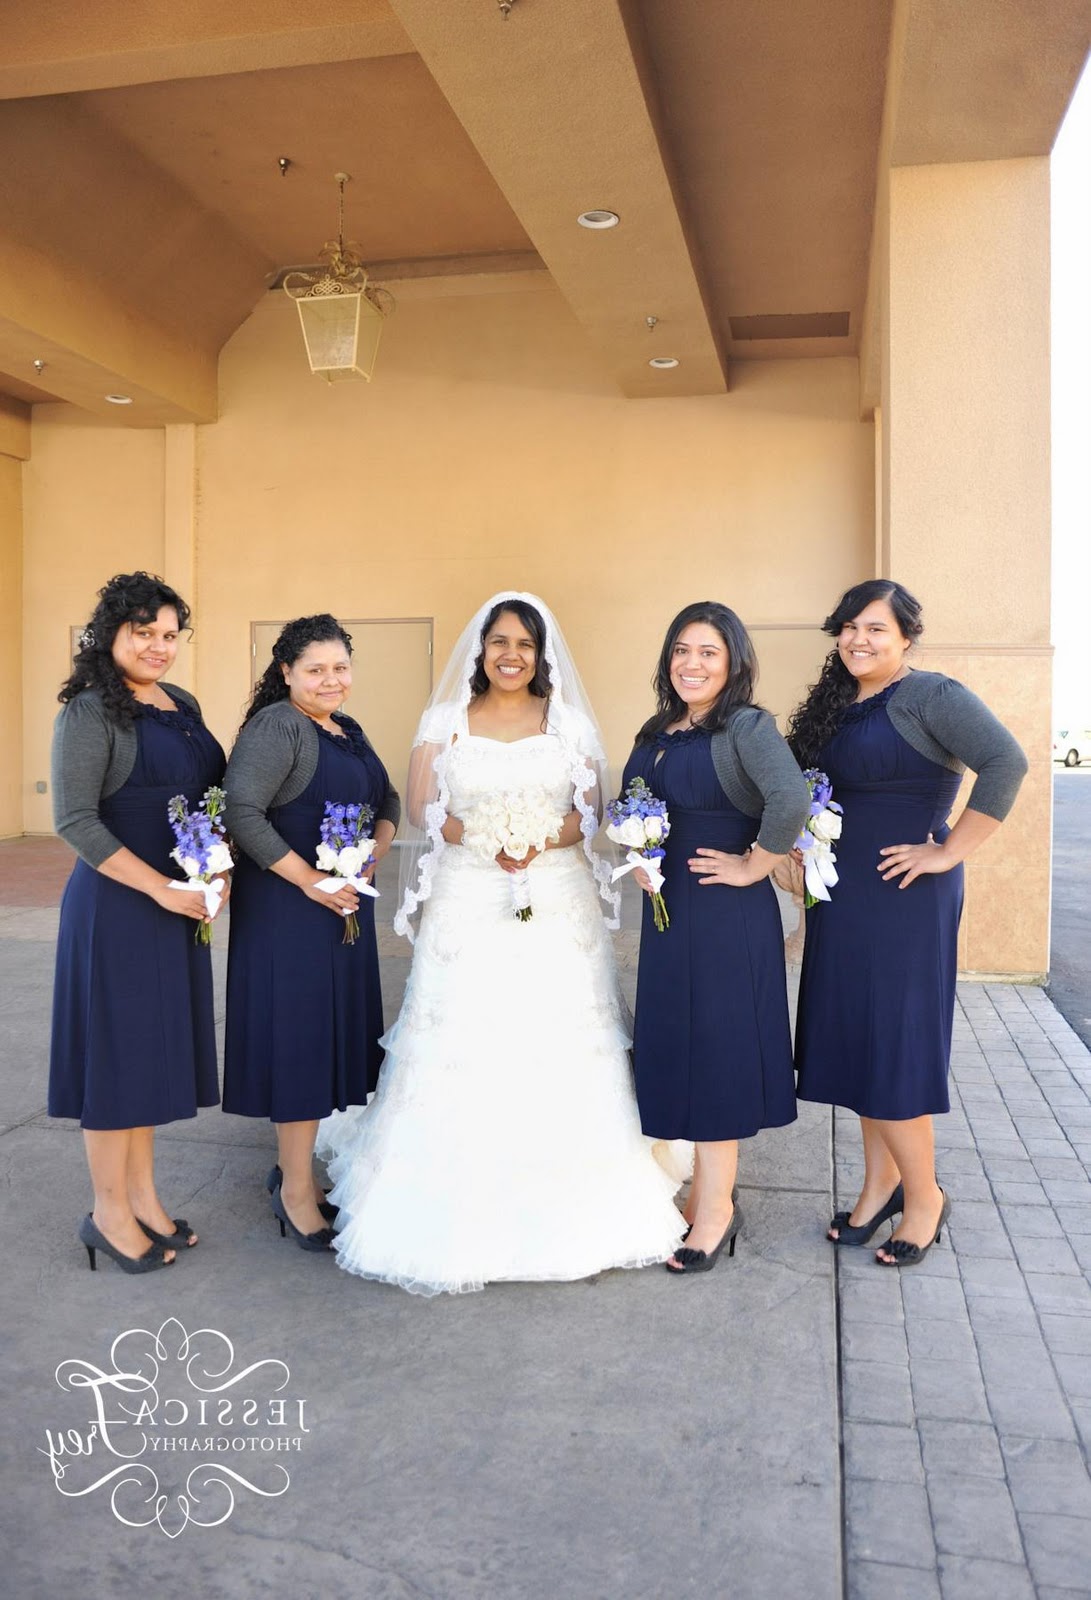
1072	745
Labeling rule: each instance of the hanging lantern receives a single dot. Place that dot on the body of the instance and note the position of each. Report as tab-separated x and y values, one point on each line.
341	314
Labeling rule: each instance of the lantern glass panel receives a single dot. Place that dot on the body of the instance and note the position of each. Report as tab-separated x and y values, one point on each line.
341	332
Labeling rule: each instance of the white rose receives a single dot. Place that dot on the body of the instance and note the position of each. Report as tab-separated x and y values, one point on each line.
326	856
826	827
629	832
654	829
219	859
350	860
189	865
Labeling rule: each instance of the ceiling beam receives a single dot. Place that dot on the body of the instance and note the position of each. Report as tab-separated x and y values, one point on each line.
67	45
14	428
110	274
967	80
552	97
986	80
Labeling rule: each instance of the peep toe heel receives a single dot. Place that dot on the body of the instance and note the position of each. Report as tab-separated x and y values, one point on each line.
704	1260
321	1239
275	1178
93	1240
183	1237
908	1254
862	1232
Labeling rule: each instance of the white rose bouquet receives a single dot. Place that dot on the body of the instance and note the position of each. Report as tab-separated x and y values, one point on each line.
345	853
821	832
513	824
640	822
201	850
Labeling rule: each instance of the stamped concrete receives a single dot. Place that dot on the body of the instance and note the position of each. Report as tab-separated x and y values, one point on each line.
630	1436
966	1378
800	1420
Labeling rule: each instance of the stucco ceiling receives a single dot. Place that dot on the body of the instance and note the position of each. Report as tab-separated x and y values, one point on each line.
143	211
419	188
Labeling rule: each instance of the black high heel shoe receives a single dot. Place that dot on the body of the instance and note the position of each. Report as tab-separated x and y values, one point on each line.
275	1178
93	1239
862	1232
183	1237
321	1239
704	1260
908	1254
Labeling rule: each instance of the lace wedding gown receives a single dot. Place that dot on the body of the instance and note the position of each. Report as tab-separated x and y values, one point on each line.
504	1140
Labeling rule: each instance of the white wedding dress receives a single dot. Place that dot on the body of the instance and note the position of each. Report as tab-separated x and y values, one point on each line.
504	1139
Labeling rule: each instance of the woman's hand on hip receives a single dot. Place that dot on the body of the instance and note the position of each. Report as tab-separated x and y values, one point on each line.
737	872
913	861
345	900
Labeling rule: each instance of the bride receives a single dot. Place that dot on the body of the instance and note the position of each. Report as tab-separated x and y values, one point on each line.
504	1140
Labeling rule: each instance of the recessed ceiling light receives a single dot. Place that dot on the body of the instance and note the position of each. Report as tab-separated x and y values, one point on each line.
661	363
119	399
598	219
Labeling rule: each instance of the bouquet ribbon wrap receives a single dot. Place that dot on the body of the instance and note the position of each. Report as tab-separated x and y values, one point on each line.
633	858
819	872
361	885
213	892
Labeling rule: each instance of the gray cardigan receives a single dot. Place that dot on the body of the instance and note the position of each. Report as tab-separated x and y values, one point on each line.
274	759
759	775
947	723
92	757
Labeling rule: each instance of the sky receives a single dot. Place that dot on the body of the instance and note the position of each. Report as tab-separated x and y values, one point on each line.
1071	382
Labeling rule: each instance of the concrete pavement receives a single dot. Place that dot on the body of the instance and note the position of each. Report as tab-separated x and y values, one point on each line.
800	1420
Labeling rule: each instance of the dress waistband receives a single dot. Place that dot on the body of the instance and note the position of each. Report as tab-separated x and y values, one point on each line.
710	827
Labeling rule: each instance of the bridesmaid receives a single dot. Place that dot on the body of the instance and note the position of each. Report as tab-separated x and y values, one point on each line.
304	1009
133	1042
877	992
712	1045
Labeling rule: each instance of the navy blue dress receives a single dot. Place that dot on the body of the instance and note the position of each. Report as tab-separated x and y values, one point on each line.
134	1042
712	1047
877	991
304	1009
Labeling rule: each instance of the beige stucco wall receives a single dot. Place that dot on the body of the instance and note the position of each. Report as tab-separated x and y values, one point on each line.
92	506
11	647
490	452
965	491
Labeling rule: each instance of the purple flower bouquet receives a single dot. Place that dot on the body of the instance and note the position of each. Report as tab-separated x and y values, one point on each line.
201	850
345	853
639	821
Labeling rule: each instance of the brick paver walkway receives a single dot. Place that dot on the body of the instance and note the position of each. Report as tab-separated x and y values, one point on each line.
966	1382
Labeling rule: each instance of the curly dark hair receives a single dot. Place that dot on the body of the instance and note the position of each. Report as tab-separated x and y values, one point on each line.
541	685
814	722
742	670
291	642
129	597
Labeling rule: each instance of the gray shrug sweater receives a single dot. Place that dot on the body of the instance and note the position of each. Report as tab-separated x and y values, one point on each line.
92	757
758	773
274	759
947	723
